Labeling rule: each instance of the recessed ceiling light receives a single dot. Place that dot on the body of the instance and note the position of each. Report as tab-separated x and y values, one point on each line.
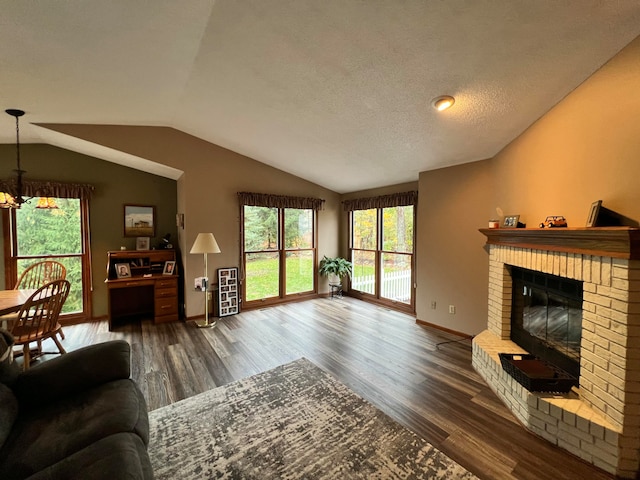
443	102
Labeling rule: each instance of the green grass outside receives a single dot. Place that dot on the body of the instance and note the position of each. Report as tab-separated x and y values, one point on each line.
262	277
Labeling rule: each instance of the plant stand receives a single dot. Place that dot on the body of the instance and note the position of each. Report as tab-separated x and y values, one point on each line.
336	290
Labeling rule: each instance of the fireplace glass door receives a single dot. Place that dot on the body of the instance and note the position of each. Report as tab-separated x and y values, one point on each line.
546	317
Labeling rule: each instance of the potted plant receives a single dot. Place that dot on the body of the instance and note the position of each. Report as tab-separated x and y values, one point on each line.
335	268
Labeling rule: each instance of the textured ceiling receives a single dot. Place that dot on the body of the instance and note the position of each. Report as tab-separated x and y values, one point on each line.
334	91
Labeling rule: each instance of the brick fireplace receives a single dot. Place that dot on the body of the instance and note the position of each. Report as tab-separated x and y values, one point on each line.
600	420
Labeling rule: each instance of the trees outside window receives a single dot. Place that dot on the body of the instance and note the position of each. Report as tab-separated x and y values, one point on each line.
381	244
55	234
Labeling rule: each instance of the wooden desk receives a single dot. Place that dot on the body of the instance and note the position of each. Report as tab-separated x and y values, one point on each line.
147	292
12	300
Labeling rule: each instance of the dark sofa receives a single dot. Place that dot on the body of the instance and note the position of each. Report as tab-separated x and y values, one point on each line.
77	416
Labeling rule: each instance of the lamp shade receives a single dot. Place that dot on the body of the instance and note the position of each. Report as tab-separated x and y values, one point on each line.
205	243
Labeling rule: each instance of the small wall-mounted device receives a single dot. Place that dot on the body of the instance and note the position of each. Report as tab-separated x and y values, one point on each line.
201	283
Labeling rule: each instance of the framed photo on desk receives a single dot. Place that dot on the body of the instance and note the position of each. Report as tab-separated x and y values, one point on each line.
169	268
123	270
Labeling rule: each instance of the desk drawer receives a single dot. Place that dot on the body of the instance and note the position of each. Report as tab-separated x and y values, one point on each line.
166	318
166	306
133	283
169	282
166	292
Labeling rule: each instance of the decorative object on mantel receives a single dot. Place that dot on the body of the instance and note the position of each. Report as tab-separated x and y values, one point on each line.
512	221
13	192
554	221
494	223
536	375
600	216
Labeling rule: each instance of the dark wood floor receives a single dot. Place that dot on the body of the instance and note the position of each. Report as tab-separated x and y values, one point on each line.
380	354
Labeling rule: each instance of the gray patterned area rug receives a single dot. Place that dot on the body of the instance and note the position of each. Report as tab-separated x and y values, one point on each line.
292	422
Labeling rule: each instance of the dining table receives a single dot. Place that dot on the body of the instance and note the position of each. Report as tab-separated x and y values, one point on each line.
12	300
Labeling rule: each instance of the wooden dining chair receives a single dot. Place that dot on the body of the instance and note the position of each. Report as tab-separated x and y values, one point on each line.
38	318
39	274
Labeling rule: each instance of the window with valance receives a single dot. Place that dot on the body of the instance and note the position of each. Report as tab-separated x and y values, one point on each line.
381	246
279	253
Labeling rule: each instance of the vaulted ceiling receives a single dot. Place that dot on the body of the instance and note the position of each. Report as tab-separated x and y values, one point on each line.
335	91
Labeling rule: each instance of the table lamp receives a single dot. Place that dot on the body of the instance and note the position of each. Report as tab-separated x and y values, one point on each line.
205	243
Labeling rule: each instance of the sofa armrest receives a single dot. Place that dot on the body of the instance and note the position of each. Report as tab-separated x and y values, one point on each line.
74	372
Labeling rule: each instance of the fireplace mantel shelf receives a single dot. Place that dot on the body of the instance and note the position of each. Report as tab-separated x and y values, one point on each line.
616	242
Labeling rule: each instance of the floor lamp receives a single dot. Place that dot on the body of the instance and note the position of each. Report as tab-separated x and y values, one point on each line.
205	243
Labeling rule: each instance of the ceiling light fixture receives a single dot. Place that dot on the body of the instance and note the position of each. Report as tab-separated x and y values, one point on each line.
13	198
443	102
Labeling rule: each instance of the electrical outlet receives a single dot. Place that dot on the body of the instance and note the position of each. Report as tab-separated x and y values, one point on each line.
209	295
452	309
433	305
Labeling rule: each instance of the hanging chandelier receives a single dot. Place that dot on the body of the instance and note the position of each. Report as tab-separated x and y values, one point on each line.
14	198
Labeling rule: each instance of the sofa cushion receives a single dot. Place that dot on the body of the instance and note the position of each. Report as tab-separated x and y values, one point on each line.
8	412
46	434
119	456
80	370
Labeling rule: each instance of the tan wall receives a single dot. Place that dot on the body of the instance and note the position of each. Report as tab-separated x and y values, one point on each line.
586	148
452	265
207	192
115	186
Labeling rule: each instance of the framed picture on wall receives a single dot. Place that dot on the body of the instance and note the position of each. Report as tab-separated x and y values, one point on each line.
228	301
139	221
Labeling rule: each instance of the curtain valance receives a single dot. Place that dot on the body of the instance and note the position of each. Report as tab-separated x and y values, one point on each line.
382	201
35	188
279	201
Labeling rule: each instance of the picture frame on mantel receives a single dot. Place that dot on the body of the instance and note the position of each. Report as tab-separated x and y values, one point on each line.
139	221
510	221
592	218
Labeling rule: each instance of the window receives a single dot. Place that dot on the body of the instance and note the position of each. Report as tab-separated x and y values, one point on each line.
382	248
32	235
279	248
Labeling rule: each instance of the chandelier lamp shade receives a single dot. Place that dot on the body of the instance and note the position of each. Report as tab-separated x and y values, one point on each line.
205	244
13	197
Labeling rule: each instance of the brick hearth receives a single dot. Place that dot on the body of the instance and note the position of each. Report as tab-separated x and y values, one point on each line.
600	420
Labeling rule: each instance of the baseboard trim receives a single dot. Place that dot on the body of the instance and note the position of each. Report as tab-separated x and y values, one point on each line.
444	329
